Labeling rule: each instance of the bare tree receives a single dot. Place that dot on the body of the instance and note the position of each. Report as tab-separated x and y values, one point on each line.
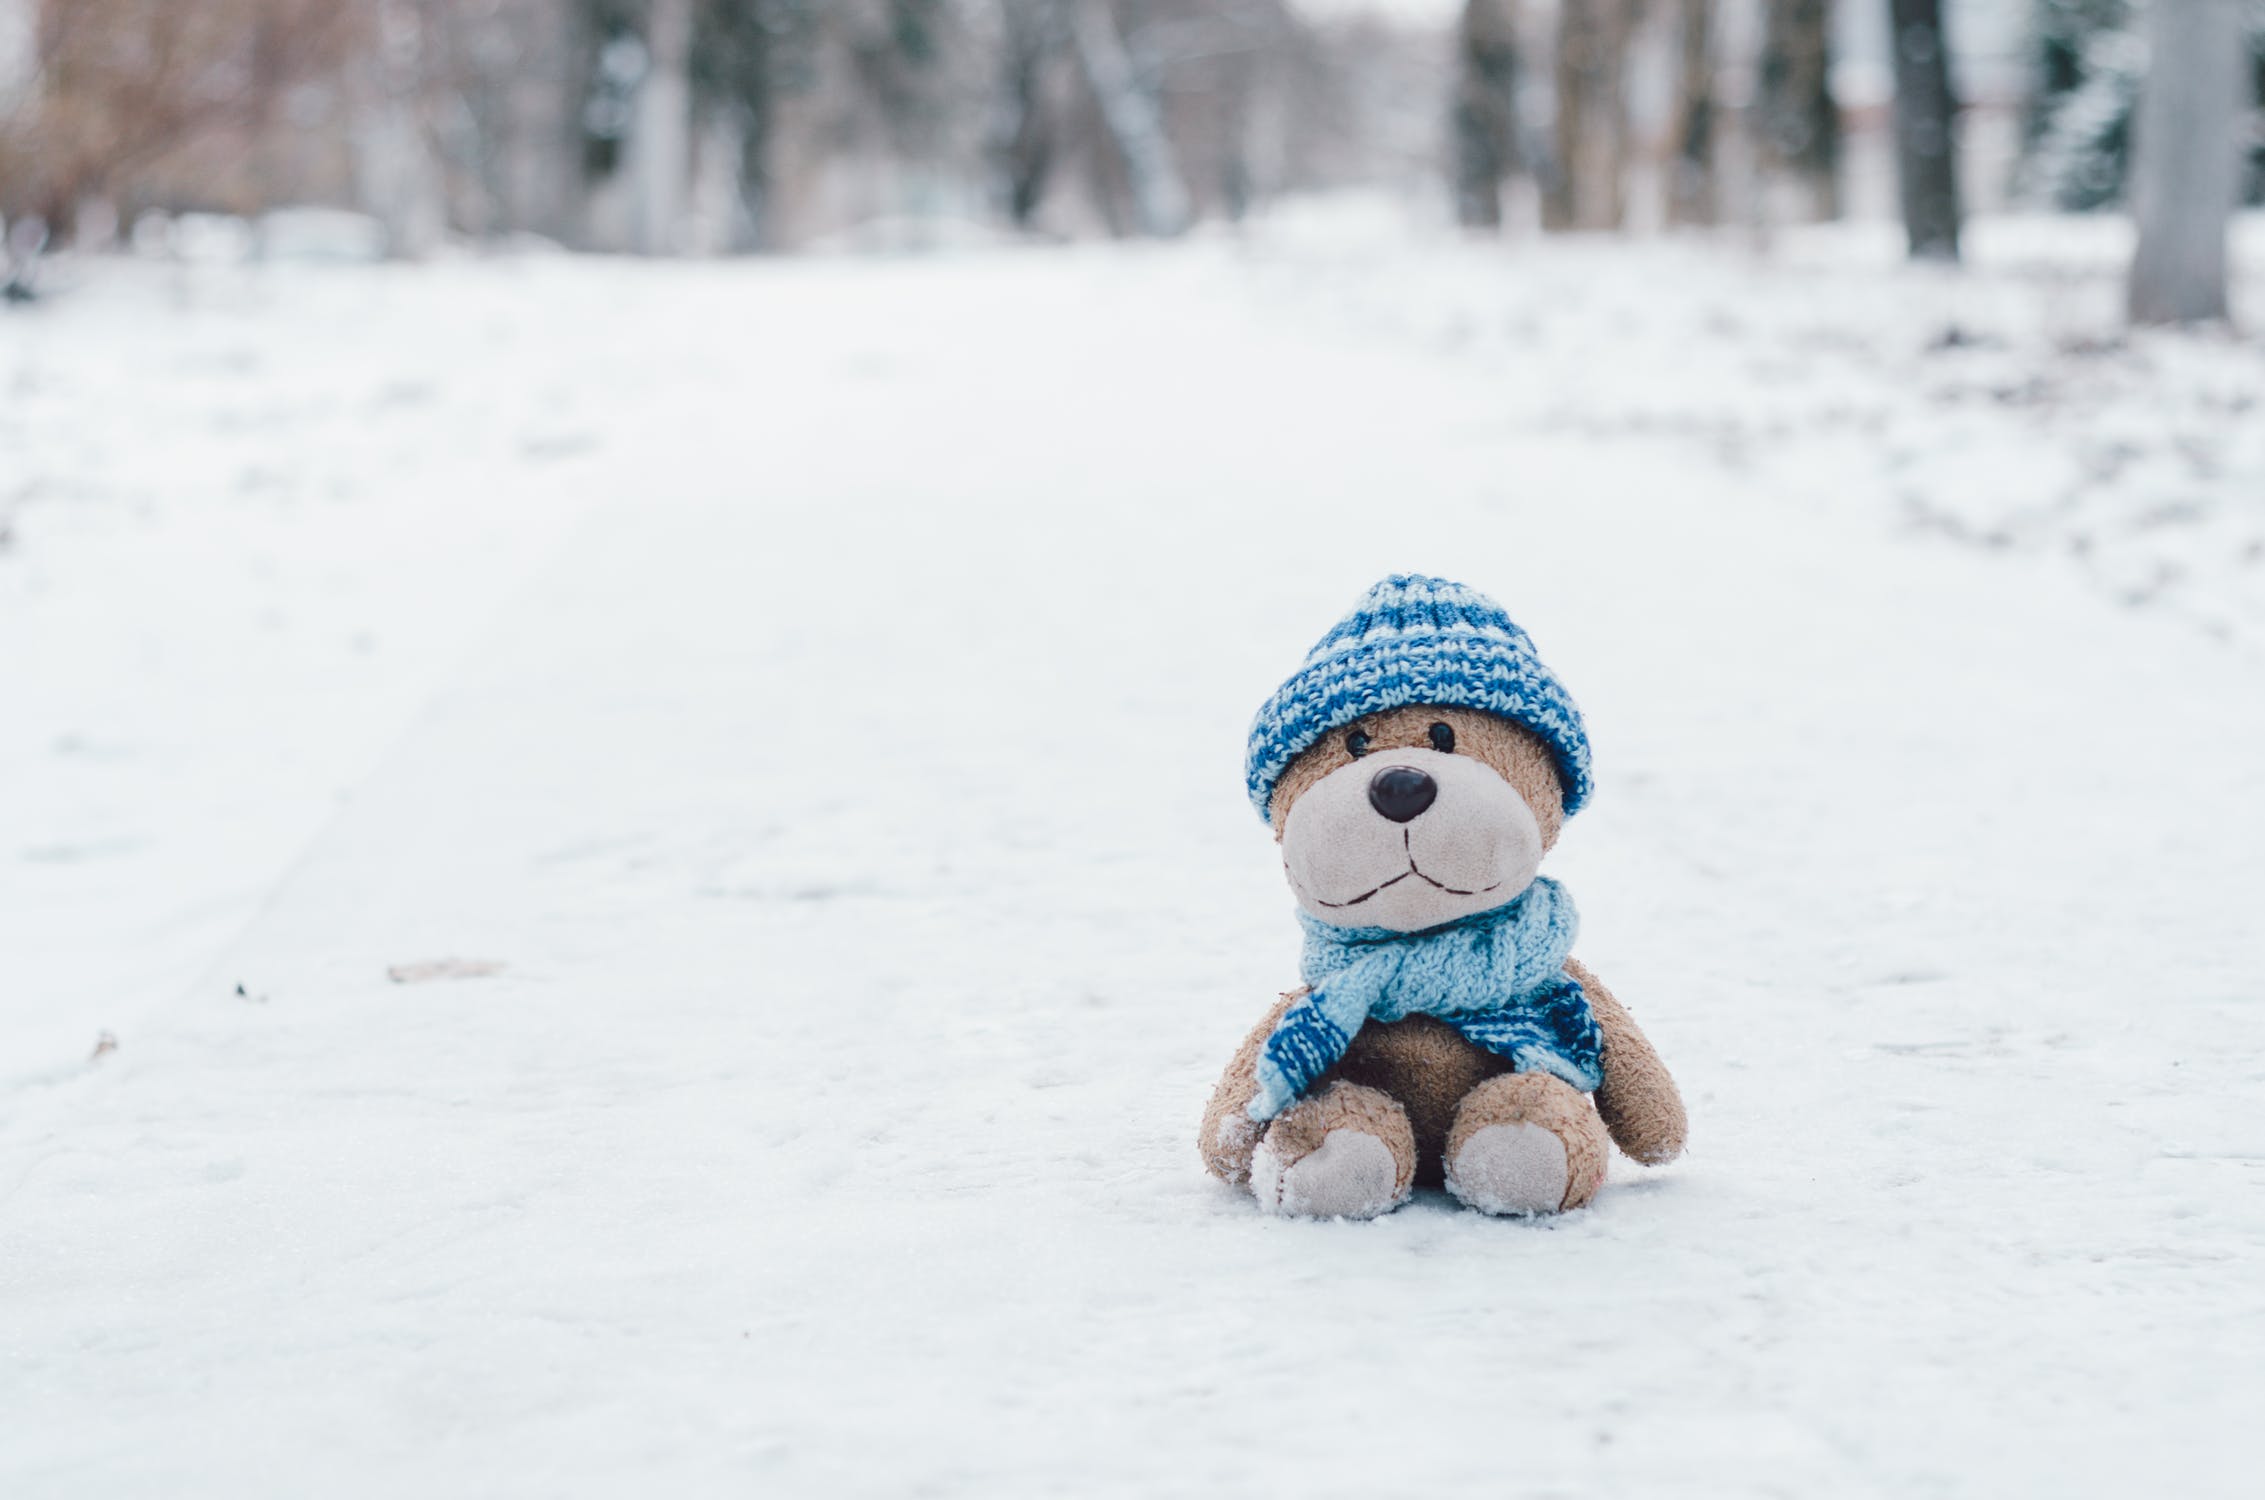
1798	123
1225	70
660	149
1585	186
1926	114
750	59
1485	110
396	168
117	86
1693	193
1134	121
498	98
2187	140
1025	136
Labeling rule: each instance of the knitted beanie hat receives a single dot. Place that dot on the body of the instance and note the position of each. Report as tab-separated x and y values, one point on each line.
1417	640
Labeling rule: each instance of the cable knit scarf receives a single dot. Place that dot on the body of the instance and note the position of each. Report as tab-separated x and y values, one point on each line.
1498	978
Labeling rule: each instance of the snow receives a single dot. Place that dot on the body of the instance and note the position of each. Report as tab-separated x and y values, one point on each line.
819	687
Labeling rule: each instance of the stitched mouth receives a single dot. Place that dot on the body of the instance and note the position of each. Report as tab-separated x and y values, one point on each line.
1412	870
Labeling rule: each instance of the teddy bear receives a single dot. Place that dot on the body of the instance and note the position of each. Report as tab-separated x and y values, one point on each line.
1414	770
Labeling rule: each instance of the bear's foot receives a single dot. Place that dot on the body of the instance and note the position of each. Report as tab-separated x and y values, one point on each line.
1525	1143
1346	1153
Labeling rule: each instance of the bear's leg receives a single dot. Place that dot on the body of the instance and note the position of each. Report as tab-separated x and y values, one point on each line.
1525	1143
1347	1152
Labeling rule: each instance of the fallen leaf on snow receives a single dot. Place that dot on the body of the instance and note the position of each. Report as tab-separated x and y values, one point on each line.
443	968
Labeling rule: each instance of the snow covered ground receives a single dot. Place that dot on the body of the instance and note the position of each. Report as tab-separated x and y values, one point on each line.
820	687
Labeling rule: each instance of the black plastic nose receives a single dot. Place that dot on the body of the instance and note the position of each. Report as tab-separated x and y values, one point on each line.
1401	793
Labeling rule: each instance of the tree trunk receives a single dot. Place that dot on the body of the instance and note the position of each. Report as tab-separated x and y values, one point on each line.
1799	124
19	53
1485	120
660	141
539	166
1692	194
1585	188
743	49
1024	133
758	228
2186	168
1926	160
397	174
1133	120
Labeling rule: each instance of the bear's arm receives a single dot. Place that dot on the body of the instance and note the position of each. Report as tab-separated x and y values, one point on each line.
1638	1098
1230	1135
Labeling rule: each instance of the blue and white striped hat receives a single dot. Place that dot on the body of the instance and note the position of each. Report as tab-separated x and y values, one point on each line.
1417	640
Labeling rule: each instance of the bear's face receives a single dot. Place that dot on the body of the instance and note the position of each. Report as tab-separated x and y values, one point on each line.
1416	817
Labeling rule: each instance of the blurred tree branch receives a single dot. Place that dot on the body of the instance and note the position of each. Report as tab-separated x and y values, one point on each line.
115	84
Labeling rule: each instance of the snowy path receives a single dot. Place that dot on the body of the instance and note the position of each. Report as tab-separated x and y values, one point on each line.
854	800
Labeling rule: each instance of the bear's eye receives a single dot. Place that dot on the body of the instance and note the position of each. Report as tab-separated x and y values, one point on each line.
1443	739
1357	743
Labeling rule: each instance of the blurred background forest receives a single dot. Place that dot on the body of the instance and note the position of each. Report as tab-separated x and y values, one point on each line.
723	126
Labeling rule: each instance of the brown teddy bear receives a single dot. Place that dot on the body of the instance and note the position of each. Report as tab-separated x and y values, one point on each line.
1415	770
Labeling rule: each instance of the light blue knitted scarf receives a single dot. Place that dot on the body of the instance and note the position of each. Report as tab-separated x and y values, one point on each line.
1498	978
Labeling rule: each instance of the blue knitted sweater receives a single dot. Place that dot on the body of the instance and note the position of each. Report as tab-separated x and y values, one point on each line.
1498	978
